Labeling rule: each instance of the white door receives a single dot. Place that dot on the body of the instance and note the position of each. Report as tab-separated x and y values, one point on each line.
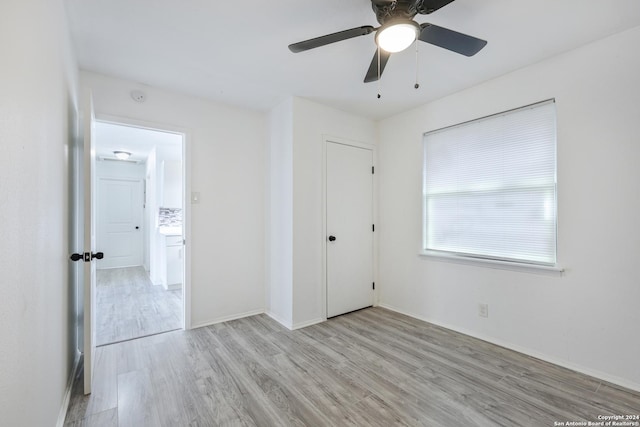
120	213
349	205
89	243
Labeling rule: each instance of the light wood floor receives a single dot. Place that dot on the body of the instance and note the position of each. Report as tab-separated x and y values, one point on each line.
129	306
369	368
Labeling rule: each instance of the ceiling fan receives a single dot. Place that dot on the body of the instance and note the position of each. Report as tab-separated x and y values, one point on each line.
398	31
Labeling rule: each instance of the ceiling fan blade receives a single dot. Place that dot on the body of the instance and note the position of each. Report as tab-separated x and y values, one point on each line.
372	73
426	7
331	38
451	40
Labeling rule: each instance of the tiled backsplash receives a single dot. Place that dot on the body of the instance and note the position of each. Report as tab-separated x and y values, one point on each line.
169	217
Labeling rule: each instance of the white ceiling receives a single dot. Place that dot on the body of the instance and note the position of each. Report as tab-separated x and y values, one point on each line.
236	52
139	142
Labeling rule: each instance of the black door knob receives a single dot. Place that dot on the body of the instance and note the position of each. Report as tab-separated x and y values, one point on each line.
137	228
86	257
332	238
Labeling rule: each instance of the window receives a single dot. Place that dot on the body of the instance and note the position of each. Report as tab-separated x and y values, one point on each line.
489	187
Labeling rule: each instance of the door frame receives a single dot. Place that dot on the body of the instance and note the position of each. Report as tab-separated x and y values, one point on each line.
327	139
186	195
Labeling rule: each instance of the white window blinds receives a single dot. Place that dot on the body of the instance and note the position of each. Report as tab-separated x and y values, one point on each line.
490	187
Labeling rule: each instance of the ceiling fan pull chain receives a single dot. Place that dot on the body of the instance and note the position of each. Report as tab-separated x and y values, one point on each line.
379	96
417	85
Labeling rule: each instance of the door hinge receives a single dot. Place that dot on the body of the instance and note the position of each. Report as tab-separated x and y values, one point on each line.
374	286
373	170
373	227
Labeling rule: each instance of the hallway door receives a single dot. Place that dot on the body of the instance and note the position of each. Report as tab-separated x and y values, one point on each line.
120	216
88	180
349	207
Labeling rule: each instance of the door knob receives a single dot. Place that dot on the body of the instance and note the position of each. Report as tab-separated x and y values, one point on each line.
86	257
332	238
137	228
76	257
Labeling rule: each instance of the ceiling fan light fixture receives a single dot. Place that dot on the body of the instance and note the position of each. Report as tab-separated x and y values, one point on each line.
122	155
397	36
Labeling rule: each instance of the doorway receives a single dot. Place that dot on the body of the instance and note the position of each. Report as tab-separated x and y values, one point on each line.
349	227
140	182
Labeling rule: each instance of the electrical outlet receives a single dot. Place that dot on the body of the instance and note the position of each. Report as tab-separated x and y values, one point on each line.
483	310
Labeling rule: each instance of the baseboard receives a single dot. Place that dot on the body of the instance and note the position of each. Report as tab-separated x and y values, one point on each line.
294	326
62	415
527	351
307	323
227	318
284	323
174	287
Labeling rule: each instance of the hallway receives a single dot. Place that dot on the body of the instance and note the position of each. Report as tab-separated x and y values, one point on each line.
130	306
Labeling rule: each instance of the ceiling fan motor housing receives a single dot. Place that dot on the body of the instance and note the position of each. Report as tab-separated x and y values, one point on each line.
392	11
387	10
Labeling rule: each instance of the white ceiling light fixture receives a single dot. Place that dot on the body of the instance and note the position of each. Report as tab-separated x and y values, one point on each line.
397	35
122	155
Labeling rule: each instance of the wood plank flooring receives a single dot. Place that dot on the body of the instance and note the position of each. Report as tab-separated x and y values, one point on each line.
368	368
129	306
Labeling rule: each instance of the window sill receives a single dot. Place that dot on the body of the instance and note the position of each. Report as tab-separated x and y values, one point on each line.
491	263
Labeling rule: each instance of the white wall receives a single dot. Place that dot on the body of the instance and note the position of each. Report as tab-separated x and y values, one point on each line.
311	123
228	149
172	184
280	212
117	169
587	319
152	240
298	128
38	121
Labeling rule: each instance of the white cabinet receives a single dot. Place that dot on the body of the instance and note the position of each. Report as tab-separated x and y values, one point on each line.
171	258
174	262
